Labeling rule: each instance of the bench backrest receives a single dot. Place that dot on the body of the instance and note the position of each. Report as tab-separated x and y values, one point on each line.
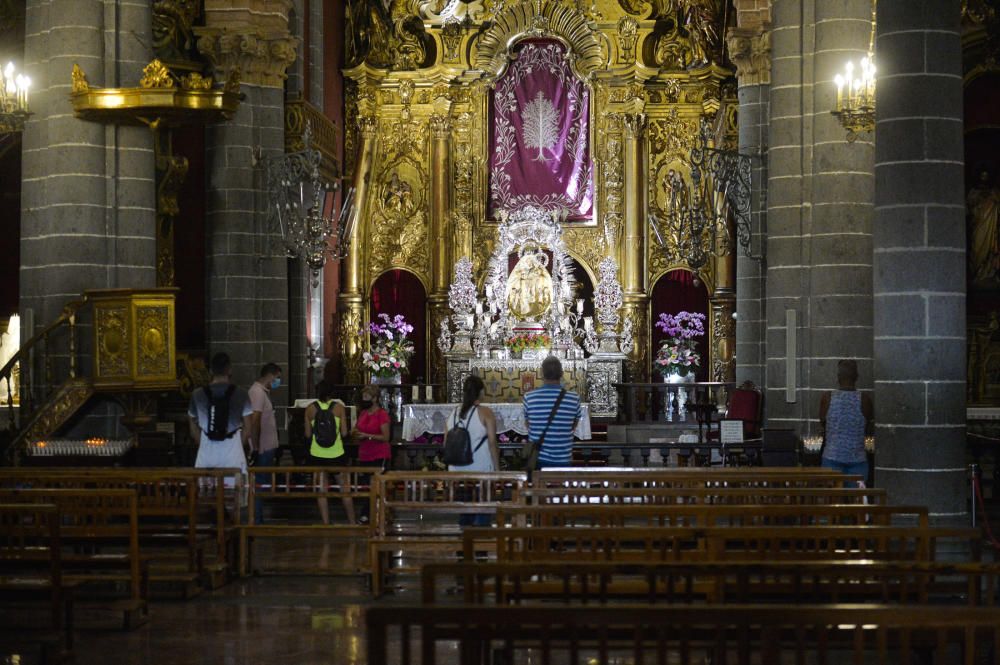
716	543
684	478
442	493
800	582
681	634
30	526
580	515
727	495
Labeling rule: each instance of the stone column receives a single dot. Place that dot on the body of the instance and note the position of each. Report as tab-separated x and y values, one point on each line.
633	251
88	190
750	49
351	301
919	256
819	213
248	270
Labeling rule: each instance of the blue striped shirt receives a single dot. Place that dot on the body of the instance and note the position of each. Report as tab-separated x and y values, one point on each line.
558	445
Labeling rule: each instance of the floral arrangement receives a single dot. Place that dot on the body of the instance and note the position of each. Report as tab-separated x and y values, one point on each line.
390	348
677	354
519	343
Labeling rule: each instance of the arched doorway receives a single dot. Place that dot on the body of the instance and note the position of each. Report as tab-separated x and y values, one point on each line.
400	292
678	291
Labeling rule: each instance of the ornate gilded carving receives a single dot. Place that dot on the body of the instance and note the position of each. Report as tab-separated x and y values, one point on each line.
750	51
112	341
173	34
262	59
628	33
80	83
68	399
451	36
156	75
408	43
440	126
538	17
153	336
351	342
195	81
192	373
723	340
171	172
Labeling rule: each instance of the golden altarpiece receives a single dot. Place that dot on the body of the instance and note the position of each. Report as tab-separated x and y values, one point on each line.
418	111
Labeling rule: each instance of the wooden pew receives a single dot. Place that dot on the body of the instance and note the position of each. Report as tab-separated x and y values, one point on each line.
429	495
100	529
286	483
31	569
219	494
168	515
801	582
651	544
581	515
683	635
700	495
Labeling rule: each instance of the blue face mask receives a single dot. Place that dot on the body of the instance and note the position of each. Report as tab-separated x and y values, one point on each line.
275	383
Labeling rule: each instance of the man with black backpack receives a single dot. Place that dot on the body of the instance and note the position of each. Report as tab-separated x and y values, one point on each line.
220	419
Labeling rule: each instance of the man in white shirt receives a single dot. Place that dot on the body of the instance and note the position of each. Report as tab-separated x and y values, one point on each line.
219	417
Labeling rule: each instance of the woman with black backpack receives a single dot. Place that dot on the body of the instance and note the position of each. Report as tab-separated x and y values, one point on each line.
475	428
326	427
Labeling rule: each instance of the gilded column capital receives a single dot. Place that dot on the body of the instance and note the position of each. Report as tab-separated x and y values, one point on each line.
440	126
634	124
750	51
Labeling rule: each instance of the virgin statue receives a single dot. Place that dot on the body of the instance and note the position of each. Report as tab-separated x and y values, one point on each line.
983	205
529	287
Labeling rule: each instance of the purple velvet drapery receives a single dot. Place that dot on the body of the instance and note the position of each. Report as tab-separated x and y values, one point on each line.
540	134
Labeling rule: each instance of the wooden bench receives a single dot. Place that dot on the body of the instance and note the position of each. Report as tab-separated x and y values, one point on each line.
31	570
300	483
100	534
429	495
682	635
650	544
700	495
581	515
802	582
168	515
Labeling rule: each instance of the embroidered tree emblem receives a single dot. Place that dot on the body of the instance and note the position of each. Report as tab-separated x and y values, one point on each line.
541	125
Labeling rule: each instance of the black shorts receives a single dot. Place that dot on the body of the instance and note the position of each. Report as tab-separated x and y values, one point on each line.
327	461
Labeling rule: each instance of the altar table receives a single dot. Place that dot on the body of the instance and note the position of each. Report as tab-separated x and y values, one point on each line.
430	419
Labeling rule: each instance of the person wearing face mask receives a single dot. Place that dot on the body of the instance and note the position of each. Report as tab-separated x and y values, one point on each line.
371	431
263	425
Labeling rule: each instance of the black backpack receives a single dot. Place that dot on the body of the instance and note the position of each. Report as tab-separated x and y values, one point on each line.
325	427
458	444
218	414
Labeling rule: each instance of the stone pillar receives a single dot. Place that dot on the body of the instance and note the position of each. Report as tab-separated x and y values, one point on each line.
919	256
248	270
88	190
351	301
819	214
750	49
316	70
633	250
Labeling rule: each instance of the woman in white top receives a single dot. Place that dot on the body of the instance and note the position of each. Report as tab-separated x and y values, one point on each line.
482	426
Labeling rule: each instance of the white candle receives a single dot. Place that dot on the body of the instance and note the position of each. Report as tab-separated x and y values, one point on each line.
579	306
415	394
489	292
479	307
588	323
430	393
470	321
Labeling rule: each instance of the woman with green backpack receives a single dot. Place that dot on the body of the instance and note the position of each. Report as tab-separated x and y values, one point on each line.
326	428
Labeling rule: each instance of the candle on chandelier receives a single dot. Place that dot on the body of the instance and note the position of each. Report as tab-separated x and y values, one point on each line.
479	307
579	306
839	80
588	323
489	292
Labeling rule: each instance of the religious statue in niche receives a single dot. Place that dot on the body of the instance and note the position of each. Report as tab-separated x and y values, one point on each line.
529	287
983	205
540	135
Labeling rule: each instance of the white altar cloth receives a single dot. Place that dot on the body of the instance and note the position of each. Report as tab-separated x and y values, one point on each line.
430	419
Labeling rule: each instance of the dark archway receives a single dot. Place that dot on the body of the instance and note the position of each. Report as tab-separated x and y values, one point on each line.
400	292
677	291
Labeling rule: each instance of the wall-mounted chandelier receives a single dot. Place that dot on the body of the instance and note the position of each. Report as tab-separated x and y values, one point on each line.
694	226
13	100
304	207
856	92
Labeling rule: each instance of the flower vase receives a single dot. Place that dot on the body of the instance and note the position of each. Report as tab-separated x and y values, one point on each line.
682	394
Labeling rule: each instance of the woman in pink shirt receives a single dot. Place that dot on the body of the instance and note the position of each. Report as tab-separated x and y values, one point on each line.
371	431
